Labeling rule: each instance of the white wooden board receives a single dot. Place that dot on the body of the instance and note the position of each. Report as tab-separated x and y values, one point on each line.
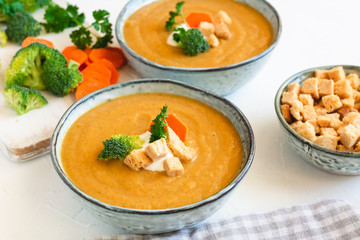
27	136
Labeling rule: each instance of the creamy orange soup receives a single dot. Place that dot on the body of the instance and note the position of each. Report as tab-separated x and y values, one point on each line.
216	140
145	33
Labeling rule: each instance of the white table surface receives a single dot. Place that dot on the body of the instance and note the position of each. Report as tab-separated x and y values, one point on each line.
35	204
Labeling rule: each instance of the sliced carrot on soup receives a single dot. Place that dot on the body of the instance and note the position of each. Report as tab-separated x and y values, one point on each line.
195	18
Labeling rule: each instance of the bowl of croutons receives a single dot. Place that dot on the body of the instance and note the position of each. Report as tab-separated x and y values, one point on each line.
318	109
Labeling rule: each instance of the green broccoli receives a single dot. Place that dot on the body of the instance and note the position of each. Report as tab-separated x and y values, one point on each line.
3	39
30	5
61	80
191	41
22	99
8	9
22	25
119	146
41	67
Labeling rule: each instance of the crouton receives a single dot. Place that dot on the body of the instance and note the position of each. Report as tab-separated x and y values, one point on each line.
337	73
157	149
184	153
289	98
294	87
137	159
296	125
357	106
352	118
357	147
323	74
343	89
308	113
222	30
316	125
173	167
206	28
329	120
306	99
307	130
331	102
285	111
296	109
348	102
320	110
223	17
310	86
349	135
354	80
327	141
343	111
325	87
328	131
342	148
213	41
356	95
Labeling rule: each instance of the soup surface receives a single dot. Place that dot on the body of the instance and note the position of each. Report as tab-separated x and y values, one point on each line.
145	33
216	140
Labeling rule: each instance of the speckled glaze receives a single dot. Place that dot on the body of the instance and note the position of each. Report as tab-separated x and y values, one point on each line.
219	80
344	163
154	221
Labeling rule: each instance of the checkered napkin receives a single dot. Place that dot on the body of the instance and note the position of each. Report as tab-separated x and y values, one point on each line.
325	220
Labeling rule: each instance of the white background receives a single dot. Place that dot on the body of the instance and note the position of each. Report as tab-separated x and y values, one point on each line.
35	204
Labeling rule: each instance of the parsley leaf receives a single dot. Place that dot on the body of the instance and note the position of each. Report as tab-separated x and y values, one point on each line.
102	24
158	128
171	22
81	37
191	41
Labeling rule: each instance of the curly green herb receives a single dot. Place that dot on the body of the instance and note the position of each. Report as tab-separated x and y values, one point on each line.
158	128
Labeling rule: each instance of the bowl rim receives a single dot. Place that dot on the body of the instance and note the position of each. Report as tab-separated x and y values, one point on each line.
277	103
109	207
195	70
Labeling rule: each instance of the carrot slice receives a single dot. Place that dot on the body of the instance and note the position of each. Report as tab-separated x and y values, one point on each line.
91	74
88	86
100	68
178	126
29	40
75	54
114	56
114	72
194	19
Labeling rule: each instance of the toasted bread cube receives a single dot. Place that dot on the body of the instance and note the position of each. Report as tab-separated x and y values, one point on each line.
331	102
357	106
306	99
342	148
157	149
296	109
321	74
173	167
213	41
222	30
310	86
354	80
343	111
315	124
343	89
348	102
326	87
327	141
206	28
307	130
289	98
330	120
337	73
184	153
308	113
137	159
349	135
294	87
356	95
222	16
320	110
296	125
328	131
357	147
285	111
352	118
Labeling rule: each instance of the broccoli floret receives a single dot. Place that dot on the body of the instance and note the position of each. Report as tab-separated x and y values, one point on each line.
60	80
8	9
119	146
41	67
3	39
22	99
22	25
191	41
30	5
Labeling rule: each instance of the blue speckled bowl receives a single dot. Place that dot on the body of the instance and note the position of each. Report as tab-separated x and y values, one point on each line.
154	221
344	163
219	80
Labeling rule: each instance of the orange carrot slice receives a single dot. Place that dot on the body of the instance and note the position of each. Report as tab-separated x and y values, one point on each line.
29	40
178	126
91	74
100	68
114	56
194	19
75	54
114	72
88	86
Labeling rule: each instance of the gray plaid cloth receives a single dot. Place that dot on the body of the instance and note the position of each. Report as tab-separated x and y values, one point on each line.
325	220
